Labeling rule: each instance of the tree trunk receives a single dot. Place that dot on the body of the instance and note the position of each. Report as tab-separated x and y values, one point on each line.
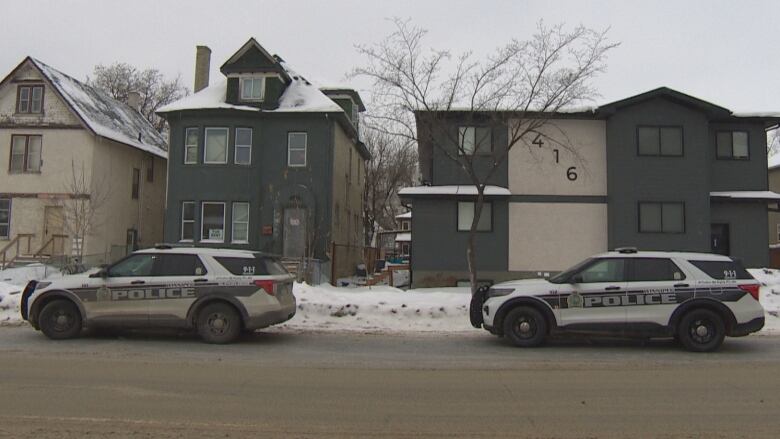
471	254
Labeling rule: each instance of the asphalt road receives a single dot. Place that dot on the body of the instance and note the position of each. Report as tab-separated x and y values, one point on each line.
282	384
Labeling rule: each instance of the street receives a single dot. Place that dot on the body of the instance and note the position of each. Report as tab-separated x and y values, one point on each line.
307	384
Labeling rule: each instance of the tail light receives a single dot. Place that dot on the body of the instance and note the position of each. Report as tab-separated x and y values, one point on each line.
752	289
267	285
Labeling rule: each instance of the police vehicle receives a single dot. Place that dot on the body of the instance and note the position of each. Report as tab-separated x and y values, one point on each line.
696	298
218	292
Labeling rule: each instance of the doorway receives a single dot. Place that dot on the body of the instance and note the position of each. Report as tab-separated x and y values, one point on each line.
53	227
294	237
719	241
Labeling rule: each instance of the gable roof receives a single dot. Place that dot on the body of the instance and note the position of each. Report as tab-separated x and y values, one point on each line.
668	93
99	113
271	63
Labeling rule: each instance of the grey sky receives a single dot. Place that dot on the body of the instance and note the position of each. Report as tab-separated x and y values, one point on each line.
722	51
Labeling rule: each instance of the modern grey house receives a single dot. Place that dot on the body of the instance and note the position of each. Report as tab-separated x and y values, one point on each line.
659	171
266	160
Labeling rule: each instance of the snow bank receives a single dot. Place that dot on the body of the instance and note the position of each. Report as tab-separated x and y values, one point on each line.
10	295
12	282
769	295
381	309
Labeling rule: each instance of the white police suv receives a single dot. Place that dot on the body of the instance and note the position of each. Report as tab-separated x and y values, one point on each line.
218	292
696	298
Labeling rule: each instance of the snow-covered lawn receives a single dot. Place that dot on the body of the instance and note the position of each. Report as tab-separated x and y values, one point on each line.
368	309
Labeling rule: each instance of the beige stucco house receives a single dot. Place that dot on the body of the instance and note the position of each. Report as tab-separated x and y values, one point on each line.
67	149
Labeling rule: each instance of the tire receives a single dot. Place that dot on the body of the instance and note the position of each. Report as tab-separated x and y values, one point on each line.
60	320
218	323
701	330
525	326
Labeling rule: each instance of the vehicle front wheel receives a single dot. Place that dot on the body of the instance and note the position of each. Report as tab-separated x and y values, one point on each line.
218	323
701	330
60	319
525	326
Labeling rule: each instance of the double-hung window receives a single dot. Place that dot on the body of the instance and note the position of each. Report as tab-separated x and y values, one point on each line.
243	150
215	150
188	221
474	140
240	217
732	145
252	88
660	141
5	218
212	220
29	99
661	217
25	154
466	211
190	146
296	149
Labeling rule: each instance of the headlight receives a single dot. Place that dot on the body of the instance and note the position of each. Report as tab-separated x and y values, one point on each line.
496	292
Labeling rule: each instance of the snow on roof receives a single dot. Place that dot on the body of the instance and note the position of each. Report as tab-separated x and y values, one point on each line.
299	96
770	114
747	195
405	215
461	190
104	115
403	237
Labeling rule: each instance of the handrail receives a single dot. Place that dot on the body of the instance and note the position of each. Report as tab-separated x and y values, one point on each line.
14	242
39	253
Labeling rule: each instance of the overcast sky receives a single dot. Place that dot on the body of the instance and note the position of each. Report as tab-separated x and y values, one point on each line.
722	51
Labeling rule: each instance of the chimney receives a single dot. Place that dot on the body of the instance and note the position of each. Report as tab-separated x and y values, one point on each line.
202	66
134	100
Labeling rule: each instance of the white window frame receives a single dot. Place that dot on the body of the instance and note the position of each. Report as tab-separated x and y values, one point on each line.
778	231
206	144
186	146
250	98
202	222
305	149
486	205
181	232
236	146
233	222
8	224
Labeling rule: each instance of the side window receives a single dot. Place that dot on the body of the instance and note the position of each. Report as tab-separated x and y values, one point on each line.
655	269
604	270
136	265
722	269
179	265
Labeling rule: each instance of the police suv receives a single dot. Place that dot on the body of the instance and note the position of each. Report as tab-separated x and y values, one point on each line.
696	298
218	292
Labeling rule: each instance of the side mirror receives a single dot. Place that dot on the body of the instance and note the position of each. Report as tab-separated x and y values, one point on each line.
103	273
576	279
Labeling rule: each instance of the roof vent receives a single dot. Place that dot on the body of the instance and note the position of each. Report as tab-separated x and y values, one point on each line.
626	250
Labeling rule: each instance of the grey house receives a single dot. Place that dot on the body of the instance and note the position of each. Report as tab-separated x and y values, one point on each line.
266	160
660	171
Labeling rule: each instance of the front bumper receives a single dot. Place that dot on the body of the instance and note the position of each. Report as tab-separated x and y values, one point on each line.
743	329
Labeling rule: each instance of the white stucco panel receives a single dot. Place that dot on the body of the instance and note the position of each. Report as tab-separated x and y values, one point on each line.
555	236
572	160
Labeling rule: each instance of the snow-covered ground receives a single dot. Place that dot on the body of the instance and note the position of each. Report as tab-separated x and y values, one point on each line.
368	309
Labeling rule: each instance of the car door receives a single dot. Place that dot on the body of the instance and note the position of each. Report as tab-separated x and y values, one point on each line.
655	285
593	297
121	298
176	280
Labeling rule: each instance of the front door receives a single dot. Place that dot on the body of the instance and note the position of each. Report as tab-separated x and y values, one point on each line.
121	299
595	295
294	232
720	239
53	225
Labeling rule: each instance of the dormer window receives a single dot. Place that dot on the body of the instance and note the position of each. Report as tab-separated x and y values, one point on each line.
29	99
252	88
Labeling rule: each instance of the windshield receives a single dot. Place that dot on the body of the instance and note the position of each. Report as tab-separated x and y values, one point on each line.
565	275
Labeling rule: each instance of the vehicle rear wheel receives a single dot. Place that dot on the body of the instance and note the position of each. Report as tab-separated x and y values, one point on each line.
701	330
525	326
60	319
218	323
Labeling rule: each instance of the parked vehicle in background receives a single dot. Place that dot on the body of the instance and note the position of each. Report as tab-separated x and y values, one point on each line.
218	292
697	298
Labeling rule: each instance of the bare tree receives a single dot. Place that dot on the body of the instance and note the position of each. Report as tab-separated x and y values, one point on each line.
520	85
393	165
119	79
81	212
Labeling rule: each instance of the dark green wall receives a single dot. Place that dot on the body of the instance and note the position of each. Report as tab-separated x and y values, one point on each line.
267	184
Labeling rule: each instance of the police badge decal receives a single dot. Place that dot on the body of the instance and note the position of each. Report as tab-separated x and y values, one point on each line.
103	294
574	300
